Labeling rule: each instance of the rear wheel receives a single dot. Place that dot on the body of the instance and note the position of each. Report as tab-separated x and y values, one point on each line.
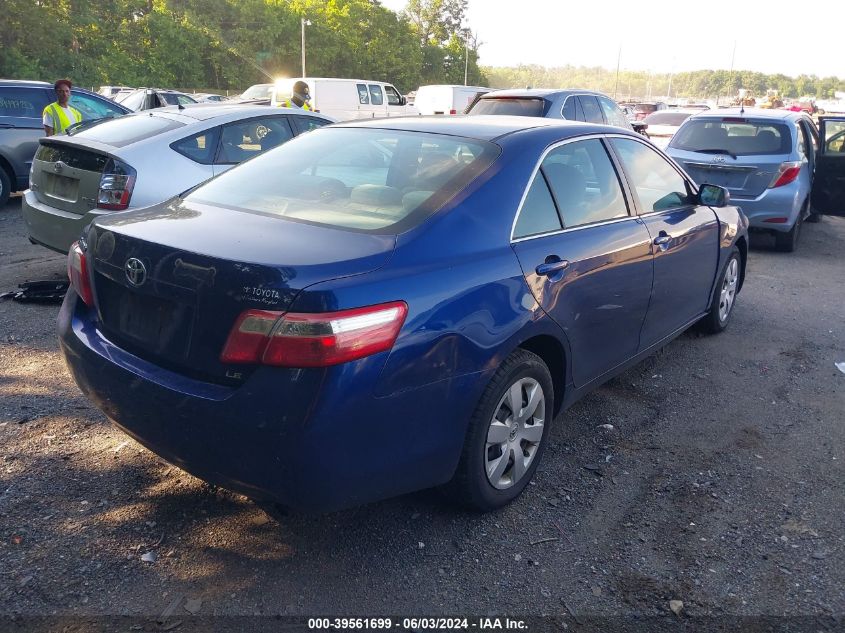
5	187
724	297
506	434
788	242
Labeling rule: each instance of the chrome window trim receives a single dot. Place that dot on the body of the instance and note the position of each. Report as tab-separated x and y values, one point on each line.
548	150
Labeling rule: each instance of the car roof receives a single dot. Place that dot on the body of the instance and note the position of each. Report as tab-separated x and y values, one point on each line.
206	111
25	82
539	92
482	127
751	113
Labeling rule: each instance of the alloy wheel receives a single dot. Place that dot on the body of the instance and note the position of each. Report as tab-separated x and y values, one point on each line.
728	291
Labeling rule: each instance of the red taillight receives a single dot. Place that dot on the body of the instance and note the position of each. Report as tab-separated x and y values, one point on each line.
313	339
453	111
77	272
116	186
786	174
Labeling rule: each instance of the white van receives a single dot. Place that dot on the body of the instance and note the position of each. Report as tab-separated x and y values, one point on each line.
446	99
346	99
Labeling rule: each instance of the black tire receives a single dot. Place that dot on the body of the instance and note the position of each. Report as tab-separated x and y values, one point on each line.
471	486
5	187
788	242
717	319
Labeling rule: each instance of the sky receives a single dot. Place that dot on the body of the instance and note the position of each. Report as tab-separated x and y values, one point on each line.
661	36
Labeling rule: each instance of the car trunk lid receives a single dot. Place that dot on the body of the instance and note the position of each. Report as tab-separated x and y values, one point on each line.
170	282
67	177
743	176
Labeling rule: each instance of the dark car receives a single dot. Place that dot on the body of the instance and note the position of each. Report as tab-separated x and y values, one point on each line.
573	105
149	98
642	110
378	307
21	107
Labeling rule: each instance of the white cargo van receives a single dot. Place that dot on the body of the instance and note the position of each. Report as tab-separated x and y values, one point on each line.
346	99
446	99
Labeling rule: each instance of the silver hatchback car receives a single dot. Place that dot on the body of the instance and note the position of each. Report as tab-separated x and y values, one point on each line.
765	158
145	158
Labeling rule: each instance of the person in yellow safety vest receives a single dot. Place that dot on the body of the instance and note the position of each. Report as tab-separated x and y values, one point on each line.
300	97
60	115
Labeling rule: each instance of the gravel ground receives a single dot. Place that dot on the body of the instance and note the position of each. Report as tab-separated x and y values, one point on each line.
720	485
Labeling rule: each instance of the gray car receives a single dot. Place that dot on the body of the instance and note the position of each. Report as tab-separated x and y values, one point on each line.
21	105
571	104
145	158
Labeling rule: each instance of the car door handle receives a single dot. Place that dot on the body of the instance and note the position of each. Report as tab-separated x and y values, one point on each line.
662	239
549	268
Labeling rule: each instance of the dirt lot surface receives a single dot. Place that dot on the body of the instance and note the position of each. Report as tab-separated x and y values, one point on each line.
720	485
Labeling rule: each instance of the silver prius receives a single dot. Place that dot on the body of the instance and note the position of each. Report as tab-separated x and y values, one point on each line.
143	159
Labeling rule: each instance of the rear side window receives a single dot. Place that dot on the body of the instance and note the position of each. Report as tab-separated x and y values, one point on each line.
737	136
128	129
572	109
592	111
584	183
834	137
381	181
201	147
514	107
538	213
244	139
363	94
22	102
376	96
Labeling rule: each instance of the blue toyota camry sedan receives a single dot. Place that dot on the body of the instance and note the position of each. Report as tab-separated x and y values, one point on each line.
380	307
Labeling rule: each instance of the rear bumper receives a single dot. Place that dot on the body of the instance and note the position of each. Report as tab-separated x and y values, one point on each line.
51	227
315	440
782	202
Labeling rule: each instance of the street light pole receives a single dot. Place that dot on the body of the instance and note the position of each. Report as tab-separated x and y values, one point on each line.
304	23
466	58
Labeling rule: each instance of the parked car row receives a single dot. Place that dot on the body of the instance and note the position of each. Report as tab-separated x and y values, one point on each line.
376	307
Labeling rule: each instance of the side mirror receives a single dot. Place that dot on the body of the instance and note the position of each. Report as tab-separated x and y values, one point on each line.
402	100
714	196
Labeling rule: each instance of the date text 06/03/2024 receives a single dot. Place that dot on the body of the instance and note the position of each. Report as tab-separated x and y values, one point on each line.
419	623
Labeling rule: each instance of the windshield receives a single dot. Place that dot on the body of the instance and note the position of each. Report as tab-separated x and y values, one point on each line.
258	91
509	105
373	180
734	136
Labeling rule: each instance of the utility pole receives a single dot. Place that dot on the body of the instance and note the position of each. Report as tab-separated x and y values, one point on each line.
618	61
304	23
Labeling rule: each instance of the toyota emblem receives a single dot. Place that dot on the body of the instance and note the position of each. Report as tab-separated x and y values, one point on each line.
136	272
59	167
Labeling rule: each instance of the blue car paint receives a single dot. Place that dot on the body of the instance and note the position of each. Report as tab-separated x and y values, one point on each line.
394	422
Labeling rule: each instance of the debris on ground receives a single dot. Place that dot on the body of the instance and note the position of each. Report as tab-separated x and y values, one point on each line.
49	291
676	606
193	605
149	557
840	366
605	427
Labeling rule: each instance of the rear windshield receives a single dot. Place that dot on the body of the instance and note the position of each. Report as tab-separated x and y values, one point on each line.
513	106
740	137
381	181
666	118
128	129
